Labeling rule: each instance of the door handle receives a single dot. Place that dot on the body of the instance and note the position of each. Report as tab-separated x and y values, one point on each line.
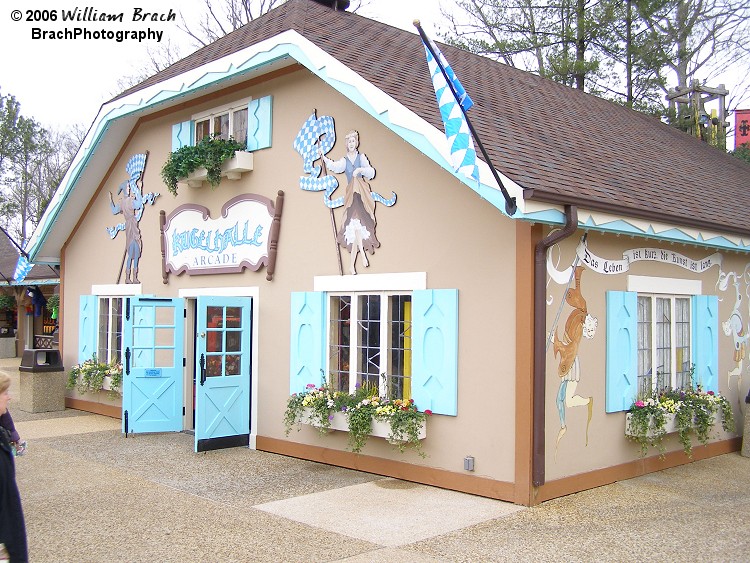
202	363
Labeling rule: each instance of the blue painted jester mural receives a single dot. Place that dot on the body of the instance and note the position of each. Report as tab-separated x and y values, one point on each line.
130	203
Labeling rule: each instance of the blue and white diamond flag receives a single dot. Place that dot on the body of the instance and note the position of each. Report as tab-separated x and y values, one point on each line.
23	266
463	154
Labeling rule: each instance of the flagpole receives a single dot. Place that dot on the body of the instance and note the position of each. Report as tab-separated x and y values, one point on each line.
510	202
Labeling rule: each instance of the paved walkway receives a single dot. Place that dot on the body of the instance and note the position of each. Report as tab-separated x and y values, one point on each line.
91	495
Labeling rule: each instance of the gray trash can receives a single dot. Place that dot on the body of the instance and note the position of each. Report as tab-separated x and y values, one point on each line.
43	381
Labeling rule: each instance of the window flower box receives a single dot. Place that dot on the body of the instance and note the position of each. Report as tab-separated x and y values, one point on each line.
670	424
362	414
232	169
681	411
379	429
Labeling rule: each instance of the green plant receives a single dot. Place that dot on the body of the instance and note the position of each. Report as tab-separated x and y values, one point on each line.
317	405
7	302
209	153
88	377
694	412
53	302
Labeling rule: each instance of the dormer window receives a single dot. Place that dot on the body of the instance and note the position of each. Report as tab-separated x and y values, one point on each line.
223	122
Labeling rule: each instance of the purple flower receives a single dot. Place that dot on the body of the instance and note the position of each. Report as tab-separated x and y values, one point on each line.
330	417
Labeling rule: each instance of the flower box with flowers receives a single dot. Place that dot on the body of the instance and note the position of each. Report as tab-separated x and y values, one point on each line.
682	411
361	414
92	376
339	421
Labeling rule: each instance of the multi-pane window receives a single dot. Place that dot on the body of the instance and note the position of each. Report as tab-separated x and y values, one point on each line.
109	341
369	343
663	342
224	122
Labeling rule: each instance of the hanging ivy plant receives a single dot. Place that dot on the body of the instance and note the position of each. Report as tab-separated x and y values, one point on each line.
210	153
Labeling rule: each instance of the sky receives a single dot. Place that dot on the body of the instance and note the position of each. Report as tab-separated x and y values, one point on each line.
61	83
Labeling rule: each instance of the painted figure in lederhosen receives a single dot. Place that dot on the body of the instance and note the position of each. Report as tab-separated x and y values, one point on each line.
579	324
357	232
131	204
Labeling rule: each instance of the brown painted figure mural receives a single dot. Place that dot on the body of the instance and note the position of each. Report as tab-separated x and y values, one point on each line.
579	324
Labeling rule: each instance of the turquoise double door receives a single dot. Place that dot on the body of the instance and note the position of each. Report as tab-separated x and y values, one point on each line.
154	373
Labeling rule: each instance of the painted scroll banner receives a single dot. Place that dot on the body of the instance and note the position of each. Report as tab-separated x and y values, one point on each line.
240	238
607	266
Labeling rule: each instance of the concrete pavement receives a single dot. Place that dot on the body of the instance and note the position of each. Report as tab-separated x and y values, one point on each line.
90	495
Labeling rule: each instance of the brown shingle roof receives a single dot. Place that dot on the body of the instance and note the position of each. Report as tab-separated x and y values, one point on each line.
8	260
560	144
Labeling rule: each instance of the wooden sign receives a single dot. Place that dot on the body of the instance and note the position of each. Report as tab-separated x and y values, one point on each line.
244	237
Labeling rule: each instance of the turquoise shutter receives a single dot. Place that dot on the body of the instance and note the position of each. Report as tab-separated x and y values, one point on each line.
87	327
705	341
435	350
259	124
621	364
182	135
307	346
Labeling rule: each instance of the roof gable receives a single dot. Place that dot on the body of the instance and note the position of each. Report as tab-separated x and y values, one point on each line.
553	144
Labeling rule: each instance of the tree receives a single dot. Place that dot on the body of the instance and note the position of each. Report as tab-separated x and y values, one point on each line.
9	113
34	163
560	40
631	51
742	152
699	38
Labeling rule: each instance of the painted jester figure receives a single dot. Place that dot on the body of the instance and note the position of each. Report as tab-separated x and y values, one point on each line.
579	325
130	204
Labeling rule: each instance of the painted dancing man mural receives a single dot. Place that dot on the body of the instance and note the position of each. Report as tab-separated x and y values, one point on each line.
357	232
579	325
130	204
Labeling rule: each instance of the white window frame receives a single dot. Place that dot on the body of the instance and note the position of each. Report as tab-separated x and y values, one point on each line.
385	285
111	292
665	288
354	344
112	350
216	112
673	367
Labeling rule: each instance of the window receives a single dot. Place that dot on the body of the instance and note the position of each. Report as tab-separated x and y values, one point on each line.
663	342
247	121
655	338
109	341
224	122
369	343
352	331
